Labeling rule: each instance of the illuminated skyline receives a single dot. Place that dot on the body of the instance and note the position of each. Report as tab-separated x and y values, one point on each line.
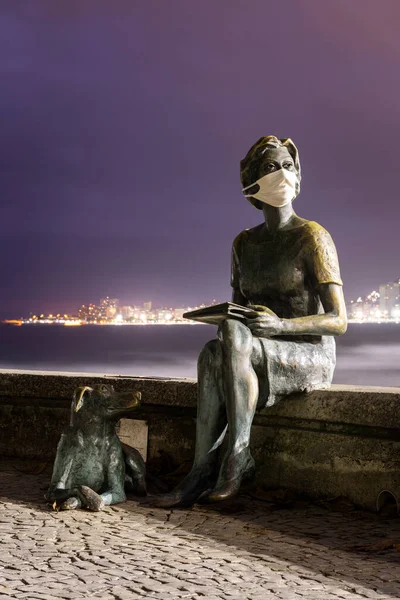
373	307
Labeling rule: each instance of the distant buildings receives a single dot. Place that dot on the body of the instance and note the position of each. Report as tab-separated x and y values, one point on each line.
377	307
164	315
127	312
365	309
390	299
109	312
109	308
178	312
90	313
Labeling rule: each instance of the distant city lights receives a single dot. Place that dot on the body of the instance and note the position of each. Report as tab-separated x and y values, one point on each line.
110	312
377	307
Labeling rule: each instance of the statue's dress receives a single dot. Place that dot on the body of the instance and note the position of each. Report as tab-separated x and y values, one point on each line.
283	272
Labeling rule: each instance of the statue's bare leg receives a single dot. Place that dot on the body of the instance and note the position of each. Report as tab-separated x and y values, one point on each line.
240	354
210	430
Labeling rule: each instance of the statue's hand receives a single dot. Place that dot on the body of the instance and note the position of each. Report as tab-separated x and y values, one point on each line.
266	324
258	308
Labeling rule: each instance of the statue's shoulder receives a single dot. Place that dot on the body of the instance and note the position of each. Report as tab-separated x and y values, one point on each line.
321	253
248	234
316	232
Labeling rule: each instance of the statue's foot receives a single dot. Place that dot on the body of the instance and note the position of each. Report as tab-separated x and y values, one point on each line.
71	504
187	492
235	469
90	499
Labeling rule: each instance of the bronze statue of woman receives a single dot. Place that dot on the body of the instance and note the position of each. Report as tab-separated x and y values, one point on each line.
287	269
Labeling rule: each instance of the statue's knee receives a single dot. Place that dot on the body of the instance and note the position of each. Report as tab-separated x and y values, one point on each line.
235	336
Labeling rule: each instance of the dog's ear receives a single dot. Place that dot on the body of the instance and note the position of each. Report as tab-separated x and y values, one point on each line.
79	397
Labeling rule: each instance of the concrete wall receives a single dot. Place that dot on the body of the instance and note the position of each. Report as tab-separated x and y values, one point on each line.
345	441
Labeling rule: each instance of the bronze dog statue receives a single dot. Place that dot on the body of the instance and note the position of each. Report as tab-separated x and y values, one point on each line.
92	464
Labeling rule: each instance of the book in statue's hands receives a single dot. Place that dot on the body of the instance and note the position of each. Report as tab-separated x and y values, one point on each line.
216	313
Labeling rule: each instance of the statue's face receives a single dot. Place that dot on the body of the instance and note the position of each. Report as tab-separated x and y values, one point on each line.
275	159
272	160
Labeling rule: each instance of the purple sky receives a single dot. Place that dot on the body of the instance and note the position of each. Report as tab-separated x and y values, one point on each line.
123	124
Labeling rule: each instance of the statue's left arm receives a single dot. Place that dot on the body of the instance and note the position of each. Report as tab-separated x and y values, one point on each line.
332	322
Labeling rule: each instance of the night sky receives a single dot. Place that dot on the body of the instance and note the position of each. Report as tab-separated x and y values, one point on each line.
123	123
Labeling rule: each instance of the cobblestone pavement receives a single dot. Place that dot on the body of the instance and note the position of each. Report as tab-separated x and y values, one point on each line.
246	550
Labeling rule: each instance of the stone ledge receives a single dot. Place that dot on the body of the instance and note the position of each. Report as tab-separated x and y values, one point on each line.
342	441
53	384
377	408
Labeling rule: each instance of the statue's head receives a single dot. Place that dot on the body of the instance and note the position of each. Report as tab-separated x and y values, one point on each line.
103	401
267	156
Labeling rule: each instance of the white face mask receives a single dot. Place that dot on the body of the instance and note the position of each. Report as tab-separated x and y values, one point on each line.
276	189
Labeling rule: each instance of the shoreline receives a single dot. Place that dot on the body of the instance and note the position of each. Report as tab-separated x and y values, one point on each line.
65	324
19	323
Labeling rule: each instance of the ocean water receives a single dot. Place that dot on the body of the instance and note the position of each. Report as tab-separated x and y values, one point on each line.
366	354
